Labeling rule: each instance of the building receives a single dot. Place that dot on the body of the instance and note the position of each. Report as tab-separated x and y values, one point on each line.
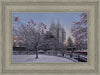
58	32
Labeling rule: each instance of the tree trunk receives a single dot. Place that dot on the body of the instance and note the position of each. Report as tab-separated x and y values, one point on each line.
36	54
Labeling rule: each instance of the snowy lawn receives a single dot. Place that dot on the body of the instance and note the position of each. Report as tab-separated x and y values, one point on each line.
41	59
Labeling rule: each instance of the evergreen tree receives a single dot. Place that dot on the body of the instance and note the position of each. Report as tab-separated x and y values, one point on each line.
69	42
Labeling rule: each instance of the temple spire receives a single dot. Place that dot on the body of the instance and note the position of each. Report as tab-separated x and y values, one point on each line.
58	20
58	23
52	24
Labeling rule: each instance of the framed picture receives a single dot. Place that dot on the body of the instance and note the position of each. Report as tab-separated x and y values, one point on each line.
56	37
51	42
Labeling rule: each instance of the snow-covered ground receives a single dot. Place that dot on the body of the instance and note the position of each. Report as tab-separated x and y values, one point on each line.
41	59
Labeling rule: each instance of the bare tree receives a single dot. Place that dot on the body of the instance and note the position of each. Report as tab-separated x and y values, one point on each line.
29	33
79	32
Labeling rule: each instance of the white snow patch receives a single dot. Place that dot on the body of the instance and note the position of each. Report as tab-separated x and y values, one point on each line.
41	59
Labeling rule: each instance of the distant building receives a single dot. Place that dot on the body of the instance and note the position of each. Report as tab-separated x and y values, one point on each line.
58	32
17	42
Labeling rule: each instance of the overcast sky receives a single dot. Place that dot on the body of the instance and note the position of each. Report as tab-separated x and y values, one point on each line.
66	19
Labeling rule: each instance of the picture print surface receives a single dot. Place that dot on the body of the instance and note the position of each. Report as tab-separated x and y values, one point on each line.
49	37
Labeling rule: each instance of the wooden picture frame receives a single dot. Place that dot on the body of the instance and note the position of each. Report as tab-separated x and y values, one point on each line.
90	67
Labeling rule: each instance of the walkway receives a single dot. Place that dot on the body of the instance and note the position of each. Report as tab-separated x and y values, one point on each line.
41	59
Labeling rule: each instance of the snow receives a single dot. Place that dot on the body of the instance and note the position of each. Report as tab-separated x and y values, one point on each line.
41	59
80	51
